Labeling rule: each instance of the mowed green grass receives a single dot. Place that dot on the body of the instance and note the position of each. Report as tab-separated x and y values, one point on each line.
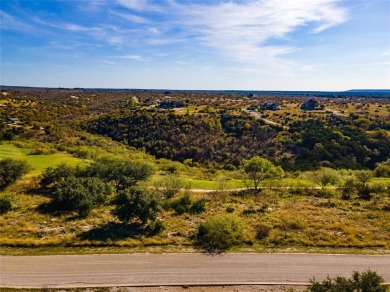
38	162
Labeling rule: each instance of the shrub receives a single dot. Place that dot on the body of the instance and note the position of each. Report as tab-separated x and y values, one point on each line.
80	193
262	231
383	169
349	188
367	281
229	209
157	227
364	192
137	204
11	170
325	193
363	176
182	204
122	174
220	232
170	185
85	207
5	205
54	175
198	207
186	204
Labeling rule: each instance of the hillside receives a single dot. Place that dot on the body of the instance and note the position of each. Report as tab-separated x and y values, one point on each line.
105	170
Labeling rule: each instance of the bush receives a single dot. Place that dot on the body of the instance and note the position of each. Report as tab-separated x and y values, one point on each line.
198	206
54	175
80	194
182	204
137	204
170	185
383	169
229	209
185	204
85	207
262	231
367	281
5	205
122	174
157	227
220	232
11	170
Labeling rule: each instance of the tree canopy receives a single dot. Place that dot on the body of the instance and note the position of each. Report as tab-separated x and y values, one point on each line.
11	170
259	169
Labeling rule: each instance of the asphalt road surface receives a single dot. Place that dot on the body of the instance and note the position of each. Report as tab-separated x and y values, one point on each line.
181	269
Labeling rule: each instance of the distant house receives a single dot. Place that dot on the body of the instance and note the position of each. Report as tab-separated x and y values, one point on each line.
167	104
311	104
269	106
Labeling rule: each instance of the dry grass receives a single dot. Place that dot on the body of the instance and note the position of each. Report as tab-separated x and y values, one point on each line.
299	222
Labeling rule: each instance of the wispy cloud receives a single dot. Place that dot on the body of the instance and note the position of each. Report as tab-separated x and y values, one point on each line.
137	58
243	29
131	17
9	22
140	5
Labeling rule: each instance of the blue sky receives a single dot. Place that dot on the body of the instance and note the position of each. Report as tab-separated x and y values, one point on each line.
203	44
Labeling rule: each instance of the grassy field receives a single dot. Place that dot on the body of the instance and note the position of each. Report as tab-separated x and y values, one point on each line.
297	222
37	162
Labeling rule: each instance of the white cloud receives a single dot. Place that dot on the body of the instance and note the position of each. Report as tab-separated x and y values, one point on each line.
242	29
139	5
134	58
131	17
9	22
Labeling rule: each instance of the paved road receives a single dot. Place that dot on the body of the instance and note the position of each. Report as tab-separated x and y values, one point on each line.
184	269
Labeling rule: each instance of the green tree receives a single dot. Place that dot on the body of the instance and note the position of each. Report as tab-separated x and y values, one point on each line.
259	169
383	169
137	204
363	176
54	175
122	174
8	136
221	232
80	194
326	176
170	185
11	170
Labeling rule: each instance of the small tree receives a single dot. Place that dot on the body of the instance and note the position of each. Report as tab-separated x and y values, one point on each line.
137	204
383	169
170	185
363	176
54	175
11	170
121	174
8	136
326	176
259	169
80	194
221	232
